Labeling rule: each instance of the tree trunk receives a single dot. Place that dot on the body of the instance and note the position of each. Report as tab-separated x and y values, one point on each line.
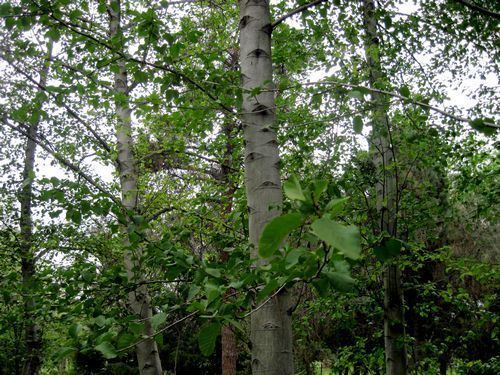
443	365
33	337
147	352
228	337
271	331
386	195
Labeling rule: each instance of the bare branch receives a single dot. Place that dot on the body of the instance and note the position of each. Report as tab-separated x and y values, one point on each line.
70	111
297	10
61	159
399	96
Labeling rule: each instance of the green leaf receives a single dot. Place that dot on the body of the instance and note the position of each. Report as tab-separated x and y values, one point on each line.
293	190
158	319
100	321
388	249
213	272
344	238
75	330
275	232
340	281
358	124
321	286
107	350
356	94
335	205
481	125
319	188
207	338
76	217
140	76
63	352
136	328
405	91
53	34
292	258
212	291
125	339
270	287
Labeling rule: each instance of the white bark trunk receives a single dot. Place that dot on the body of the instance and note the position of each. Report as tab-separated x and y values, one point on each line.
147	352
386	194
33	340
271	332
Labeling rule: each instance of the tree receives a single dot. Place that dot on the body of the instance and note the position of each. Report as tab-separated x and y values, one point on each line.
33	337
386	195
271	332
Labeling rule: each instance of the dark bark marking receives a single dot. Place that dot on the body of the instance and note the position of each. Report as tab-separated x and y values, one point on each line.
253	156
268	29
261	108
258	53
244	21
268	184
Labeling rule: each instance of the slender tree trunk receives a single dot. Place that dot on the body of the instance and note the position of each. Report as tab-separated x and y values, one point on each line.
386	194
443	365
139	300
271	332
33	336
228	337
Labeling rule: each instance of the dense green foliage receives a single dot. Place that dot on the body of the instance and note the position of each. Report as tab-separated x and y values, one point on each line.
190	231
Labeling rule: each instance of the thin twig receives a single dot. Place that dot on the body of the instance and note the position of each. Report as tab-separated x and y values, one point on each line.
299	9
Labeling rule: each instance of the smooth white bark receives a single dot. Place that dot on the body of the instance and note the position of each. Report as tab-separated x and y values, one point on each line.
271	333
139	300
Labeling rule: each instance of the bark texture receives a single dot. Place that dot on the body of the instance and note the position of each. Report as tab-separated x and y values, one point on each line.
271	332
33	335
386	195
139	300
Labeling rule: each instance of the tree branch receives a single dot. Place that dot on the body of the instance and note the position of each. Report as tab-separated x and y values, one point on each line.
70	111
127	57
479	9
299	9
399	96
61	159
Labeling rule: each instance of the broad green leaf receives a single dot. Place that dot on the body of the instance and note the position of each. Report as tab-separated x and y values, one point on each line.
64	352
344	238
158	319
213	272
322	286
292	258
76	217
275	232
207	337
481	125
358	124
107	349
293	190
356	94
75	330
125	339
405	91
100	321
136	328
335	205
388	249
271	286
212	291
341	281
319	188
